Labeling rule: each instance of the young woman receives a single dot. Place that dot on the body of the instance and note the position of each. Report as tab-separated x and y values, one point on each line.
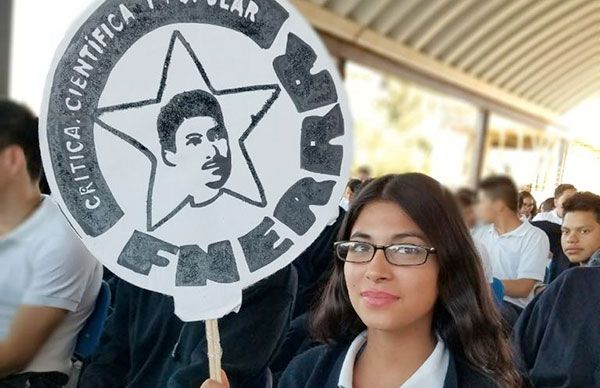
527	206
406	304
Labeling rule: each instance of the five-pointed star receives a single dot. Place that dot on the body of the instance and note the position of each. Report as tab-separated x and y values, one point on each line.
136	123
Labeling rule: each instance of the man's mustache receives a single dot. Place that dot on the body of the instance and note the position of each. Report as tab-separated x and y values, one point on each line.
217	161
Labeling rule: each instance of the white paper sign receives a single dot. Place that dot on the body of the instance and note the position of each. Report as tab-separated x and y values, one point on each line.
196	146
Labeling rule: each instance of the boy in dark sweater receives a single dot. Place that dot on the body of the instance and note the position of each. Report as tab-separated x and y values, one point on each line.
556	337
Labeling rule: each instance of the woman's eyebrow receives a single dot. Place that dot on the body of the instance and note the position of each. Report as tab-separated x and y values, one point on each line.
409	234
360	235
394	237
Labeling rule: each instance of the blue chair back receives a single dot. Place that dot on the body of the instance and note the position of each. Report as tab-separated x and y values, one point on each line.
89	336
498	290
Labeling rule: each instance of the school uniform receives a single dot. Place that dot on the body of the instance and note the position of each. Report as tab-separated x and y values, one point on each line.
551	216
557	337
331	366
313	267
314	263
521	253
594	260
145	345
44	264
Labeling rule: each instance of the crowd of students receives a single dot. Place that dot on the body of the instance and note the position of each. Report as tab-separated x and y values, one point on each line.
395	292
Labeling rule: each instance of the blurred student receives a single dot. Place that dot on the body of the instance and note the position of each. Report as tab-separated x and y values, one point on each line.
527	206
561	194
406	303
547	205
49	281
518	251
581	229
467	200
550	222
364	173
352	188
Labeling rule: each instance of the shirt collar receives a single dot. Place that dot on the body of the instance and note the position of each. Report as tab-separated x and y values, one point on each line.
594	260
356	346
432	373
520	231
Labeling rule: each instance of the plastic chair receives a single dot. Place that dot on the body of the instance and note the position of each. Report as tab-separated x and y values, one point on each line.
498	290
89	336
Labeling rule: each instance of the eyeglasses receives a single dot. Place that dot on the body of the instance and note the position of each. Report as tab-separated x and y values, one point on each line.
402	255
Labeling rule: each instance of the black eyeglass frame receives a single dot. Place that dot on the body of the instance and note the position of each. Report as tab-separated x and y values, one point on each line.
428	252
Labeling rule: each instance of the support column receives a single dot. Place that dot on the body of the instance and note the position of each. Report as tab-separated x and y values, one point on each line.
5	38
482	129
562	158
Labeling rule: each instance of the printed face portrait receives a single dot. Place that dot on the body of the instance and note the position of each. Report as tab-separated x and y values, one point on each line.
193	137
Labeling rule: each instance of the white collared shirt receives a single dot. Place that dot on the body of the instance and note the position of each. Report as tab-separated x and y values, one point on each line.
551	216
519	254
45	264
431	374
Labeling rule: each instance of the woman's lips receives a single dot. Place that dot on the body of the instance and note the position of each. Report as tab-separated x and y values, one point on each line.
378	298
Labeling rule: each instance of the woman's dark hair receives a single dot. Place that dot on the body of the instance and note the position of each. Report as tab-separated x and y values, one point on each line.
465	315
524	195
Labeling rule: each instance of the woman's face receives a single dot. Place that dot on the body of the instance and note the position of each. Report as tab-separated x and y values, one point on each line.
527	206
388	297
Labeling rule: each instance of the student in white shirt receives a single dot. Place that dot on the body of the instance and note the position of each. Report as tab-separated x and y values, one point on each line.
406	304
518	251
49	281
467	199
561	194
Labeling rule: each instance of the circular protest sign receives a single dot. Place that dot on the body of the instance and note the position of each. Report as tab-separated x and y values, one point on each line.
196	146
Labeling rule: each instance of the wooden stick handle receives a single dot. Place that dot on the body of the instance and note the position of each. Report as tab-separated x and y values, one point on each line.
214	349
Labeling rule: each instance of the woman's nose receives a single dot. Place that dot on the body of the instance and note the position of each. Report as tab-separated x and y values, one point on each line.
378	269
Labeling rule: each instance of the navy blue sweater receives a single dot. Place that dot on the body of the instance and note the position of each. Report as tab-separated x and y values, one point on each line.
557	337
145	345
321	367
314	264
